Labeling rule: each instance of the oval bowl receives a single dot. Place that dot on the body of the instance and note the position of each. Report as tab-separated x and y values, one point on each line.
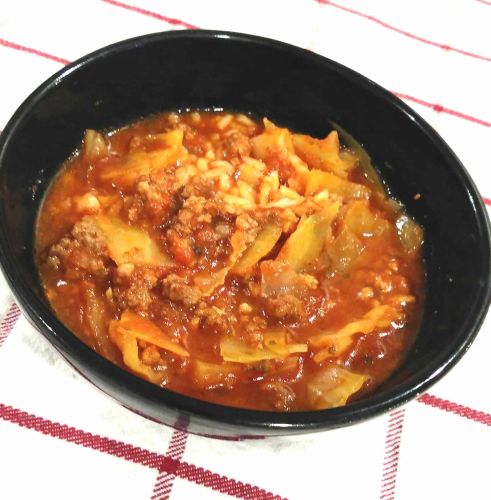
298	89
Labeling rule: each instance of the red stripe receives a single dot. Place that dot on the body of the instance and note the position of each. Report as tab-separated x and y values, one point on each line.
484	2
177	445
136	455
9	321
391	456
461	410
155	15
402	32
29	50
487	201
442	109
222	484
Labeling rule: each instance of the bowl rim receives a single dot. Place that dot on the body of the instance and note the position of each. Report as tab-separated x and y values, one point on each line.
61	337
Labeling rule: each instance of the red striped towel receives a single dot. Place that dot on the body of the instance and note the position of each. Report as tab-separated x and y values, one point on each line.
60	438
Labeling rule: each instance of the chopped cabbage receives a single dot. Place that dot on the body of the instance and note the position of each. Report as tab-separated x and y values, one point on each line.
410	233
143	163
142	328
128	345
277	278
260	247
335	343
323	154
127	243
344	250
275	347
126	332
94	145
273	141
319	180
306	243
95	313
363	221
333	386
211	375
208	282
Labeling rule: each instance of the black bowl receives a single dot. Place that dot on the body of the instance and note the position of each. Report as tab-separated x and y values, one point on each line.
298	89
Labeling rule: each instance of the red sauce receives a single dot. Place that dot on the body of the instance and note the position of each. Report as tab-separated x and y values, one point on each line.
232	261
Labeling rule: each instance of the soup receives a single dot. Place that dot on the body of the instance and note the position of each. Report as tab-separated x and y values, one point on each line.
232	260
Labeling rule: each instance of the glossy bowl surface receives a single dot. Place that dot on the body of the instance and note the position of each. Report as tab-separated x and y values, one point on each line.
298	89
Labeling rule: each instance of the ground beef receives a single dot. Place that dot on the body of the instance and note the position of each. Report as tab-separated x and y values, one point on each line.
191	209
176	289
90	236
286	308
237	143
199	186
154	198
82	251
255	324
194	142
245	223
150	355
97	267
134	289
194	233
61	250
281	395
213	318
210	245
206	236
181	246
283	217
223	229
